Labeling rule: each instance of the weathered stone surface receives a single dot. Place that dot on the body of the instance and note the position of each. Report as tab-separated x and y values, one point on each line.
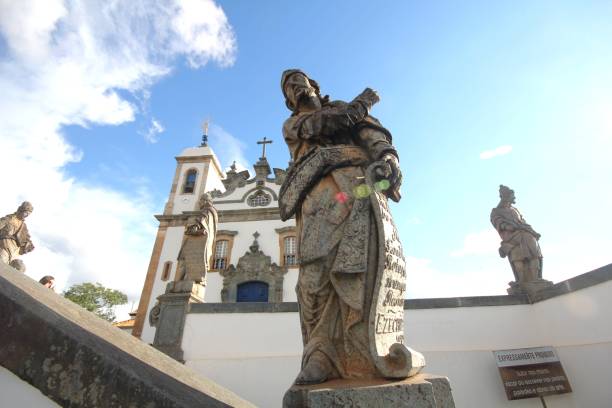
80	360
420	391
352	269
519	244
14	236
168	315
198	239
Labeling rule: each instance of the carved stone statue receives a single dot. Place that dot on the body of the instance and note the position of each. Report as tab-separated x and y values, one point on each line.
351	282
14	236
519	244
198	240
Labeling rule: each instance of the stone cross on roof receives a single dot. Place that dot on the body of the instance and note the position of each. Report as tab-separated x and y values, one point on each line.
264	142
255	245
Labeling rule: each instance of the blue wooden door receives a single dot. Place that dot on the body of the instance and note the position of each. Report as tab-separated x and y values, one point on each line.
254	291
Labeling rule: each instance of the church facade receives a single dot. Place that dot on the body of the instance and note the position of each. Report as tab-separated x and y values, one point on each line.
254	255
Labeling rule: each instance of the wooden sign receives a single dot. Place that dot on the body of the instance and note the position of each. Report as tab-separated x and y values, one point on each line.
531	372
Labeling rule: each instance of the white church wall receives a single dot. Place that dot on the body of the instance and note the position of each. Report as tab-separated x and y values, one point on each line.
169	252
289	285
268	239
214	284
213	181
17	393
187	202
258	354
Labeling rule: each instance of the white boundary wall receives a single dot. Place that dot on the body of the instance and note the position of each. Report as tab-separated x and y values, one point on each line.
257	355
18	393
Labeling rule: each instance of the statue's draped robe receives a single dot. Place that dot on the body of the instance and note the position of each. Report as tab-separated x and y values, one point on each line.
337	241
14	238
197	245
520	244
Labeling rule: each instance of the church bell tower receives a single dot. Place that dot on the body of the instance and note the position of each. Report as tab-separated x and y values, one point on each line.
197	171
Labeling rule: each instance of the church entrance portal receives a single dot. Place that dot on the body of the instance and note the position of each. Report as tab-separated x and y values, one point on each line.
253	291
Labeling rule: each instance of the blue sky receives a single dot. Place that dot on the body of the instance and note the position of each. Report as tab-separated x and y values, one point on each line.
458	82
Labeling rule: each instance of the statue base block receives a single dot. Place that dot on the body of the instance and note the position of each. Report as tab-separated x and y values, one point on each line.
194	288
420	391
528	288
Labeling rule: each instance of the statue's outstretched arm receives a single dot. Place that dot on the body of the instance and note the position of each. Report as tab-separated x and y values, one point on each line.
327	122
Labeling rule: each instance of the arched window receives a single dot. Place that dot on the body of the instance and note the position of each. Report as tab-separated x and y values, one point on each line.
190	181
166	273
290	251
220	260
253	291
259	199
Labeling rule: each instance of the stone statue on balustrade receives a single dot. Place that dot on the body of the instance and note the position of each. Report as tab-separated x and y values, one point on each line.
168	314
351	284
519	244
197	246
14	237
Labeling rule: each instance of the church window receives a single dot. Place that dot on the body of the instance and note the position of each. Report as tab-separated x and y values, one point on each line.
166	273
288	246
259	199
221	252
290	255
190	181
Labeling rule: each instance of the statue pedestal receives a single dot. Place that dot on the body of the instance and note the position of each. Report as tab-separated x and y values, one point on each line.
174	305
196	290
528	288
420	391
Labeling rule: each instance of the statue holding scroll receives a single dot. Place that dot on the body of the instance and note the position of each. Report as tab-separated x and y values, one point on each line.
198	240
351	282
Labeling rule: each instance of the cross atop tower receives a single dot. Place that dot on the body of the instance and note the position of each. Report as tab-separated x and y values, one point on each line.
205	133
264	142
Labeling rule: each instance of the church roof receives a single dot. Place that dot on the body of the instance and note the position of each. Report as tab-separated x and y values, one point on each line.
196	151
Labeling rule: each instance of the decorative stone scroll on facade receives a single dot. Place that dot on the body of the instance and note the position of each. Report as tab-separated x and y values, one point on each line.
233	179
253	266
279	176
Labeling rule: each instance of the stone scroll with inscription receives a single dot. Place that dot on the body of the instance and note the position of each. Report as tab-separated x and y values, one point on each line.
386	320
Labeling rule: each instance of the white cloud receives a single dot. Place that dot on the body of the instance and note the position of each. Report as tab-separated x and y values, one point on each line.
228	147
64	63
425	281
153	132
573	255
479	243
498	151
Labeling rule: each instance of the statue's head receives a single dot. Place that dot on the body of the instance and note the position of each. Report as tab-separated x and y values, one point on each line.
506	194
205	202
24	210
300	91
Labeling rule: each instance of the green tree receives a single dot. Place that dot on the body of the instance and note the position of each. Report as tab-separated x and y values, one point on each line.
96	298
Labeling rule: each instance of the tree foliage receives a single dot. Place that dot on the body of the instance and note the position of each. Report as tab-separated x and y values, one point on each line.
96	298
